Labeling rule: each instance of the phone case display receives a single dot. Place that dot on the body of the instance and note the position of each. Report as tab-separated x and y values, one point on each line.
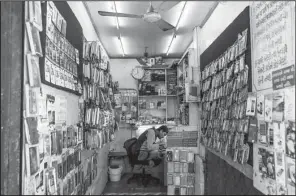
126	105
227	107
96	111
61	60
53	152
34	53
184	113
274	152
182	139
154	75
148	88
152	110
53	148
181	174
153	82
171	82
156	89
183	106
264	172
98	97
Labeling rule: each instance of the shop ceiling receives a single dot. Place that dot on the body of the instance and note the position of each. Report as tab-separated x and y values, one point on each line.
127	37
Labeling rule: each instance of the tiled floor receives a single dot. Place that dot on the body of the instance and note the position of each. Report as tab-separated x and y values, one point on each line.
134	188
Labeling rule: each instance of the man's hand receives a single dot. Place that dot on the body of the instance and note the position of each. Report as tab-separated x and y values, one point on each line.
161	147
151	163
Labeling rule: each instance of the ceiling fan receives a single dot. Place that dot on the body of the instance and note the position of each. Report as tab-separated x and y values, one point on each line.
144	60
151	16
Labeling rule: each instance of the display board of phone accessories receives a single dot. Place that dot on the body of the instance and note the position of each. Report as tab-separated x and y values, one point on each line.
52	148
274	99
171	81
180	160
224	102
126	101
61	65
182	139
226	83
180	172
97	95
96	103
274	144
156	91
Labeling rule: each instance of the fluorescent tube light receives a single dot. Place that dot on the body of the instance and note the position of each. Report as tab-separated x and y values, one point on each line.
177	26
120	42
117	22
174	35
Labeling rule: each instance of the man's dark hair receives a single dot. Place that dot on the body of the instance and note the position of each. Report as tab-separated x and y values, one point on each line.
164	128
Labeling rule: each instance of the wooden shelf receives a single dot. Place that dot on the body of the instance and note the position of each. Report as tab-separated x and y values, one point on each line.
152	95
153	81
157	95
168	97
153	109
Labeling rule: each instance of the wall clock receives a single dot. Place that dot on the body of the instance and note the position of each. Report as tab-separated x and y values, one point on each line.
138	73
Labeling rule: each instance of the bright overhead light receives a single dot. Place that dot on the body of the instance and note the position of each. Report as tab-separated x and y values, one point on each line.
117	22
177	26
174	36
120	43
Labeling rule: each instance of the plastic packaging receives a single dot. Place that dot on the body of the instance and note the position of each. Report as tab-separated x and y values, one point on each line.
183	191
177	167
183	155
190	157
170	167
177	179
176	156
170	179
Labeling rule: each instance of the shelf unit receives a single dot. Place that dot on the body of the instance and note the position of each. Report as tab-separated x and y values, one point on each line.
157	112
188	89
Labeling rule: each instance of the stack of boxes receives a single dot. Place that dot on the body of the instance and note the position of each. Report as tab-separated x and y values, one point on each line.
181	172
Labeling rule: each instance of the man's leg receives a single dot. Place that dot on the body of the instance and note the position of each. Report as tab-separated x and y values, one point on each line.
143	155
154	154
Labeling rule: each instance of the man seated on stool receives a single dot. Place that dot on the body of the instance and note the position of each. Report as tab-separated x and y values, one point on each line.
146	148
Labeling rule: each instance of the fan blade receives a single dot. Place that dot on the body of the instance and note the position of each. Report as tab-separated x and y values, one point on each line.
163	25
142	61
166	5
102	13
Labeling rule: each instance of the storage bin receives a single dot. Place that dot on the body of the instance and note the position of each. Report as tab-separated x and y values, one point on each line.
115	172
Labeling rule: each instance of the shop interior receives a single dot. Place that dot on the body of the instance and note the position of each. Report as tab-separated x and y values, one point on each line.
87	85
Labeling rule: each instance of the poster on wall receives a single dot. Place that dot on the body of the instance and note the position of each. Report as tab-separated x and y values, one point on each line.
290	139
50	108
283	78
264	175
272	30
278	106
290	165
31	95
290	104
61	109
32	158
260	107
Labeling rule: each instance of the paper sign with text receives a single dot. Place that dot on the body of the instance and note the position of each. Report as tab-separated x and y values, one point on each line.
272	40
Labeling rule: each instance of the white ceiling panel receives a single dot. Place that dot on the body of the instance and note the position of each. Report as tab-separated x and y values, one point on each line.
137	34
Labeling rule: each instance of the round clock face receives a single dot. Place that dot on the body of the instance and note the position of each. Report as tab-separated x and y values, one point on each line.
138	73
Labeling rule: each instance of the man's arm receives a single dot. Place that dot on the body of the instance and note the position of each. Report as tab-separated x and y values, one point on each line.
150	140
